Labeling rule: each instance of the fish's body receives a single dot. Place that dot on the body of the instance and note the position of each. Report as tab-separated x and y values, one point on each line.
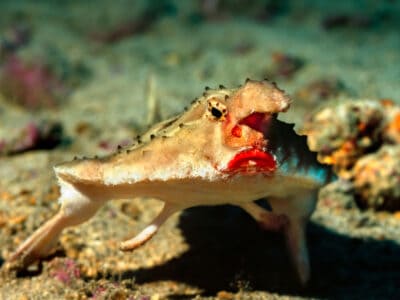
227	148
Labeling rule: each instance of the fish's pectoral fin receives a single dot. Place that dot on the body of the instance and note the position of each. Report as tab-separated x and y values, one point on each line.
150	230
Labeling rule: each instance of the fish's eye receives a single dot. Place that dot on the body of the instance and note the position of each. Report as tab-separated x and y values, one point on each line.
216	110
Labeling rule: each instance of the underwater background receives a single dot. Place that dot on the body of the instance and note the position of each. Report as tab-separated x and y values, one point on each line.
79	78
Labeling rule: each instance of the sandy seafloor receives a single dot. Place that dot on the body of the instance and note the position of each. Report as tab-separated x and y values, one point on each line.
203	253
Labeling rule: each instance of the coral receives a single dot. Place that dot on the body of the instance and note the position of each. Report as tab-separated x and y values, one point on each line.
341	134
361	139
376	179
391	133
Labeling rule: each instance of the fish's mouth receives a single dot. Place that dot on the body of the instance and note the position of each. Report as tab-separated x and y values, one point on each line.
257	121
254	158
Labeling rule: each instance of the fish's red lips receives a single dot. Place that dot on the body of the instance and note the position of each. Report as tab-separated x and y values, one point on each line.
252	161
256	159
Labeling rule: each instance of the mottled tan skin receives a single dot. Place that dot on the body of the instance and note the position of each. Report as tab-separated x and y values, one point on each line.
183	162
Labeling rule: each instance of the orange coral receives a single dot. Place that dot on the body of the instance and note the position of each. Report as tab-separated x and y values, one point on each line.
361	140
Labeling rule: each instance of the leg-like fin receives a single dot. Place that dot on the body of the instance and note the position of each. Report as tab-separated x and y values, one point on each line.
40	242
298	209
147	233
267	219
297	247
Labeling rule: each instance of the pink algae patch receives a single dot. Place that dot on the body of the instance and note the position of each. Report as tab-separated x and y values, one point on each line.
29	85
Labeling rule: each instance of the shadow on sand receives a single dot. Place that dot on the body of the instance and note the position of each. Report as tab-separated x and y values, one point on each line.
228	251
